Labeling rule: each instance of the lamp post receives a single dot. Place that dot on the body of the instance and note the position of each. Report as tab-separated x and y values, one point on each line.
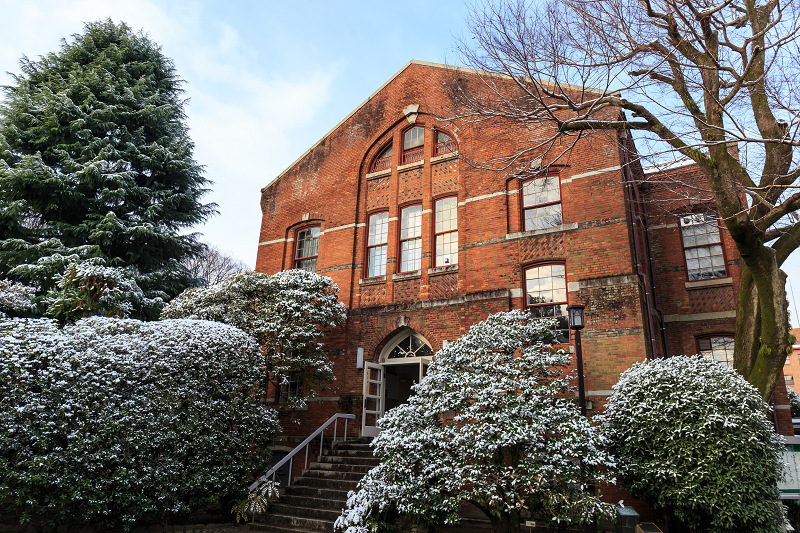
575	313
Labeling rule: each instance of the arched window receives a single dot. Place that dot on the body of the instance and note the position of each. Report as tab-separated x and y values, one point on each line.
383	161
413	141
408	345
307	249
546	296
717	347
445	144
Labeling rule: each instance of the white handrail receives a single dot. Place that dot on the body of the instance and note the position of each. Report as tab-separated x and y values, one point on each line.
274	470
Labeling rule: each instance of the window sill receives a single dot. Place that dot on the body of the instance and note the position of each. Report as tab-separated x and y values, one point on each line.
372	281
703	283
406	275
442	270
380	173
533	233
411	165
444	157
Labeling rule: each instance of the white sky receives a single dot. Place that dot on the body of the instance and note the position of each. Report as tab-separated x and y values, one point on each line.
265	79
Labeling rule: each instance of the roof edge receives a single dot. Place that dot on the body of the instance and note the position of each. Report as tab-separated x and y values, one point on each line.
387	82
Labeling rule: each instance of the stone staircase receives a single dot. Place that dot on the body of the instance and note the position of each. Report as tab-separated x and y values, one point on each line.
314	501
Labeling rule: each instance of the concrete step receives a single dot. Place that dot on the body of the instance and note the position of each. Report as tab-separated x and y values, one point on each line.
296	522
330	504
371	461
323	473
257	526
352	453
351	445
326	483
318	492
341	467
281	507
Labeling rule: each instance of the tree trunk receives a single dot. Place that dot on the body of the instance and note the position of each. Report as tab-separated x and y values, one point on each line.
762	321
506	522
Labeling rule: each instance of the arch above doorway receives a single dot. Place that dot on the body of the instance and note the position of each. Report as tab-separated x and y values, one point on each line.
408	346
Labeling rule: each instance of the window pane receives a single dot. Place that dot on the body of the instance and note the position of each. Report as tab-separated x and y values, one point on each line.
411	222
376	261
545	217
447	249
309	264
413	137
446	215
718	348
307	242
378	229
541	191
410	255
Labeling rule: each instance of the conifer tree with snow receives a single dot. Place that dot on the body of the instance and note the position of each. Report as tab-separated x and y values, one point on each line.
95	151
285	312
493	423
693	439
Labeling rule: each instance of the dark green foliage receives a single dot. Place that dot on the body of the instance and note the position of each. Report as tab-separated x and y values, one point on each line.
94	150
693	439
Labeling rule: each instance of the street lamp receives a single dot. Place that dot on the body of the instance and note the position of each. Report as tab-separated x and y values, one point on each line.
575	313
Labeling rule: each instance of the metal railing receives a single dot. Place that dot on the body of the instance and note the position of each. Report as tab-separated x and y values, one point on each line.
271	473
445	148
414	154
381	164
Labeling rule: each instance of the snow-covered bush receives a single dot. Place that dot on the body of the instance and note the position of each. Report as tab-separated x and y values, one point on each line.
110	420
493	423
285	312
693	439
794	402
15	297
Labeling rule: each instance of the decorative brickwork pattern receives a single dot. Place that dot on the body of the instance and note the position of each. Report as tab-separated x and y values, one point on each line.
711	299
373	295
410	186
406	290
444	286
378	193
445	178
541	247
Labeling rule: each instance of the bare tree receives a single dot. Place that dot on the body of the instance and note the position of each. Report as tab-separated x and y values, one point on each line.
694	76
213	266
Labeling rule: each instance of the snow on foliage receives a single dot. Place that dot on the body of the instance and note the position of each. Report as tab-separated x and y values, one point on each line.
493	423
15	297
284	312
109	420
692	437
794	402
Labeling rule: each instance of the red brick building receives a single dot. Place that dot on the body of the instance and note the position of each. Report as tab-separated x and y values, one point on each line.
423	243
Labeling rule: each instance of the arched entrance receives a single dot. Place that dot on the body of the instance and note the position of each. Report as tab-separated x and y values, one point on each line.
387	384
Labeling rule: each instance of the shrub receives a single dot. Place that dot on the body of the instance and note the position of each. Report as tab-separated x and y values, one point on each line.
111	420
512	443
692	438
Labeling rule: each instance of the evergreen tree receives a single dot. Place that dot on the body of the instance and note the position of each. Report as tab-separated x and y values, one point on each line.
94	151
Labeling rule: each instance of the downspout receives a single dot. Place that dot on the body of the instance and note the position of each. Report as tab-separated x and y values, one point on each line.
647	277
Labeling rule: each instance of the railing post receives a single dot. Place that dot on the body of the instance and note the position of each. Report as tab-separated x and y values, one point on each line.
306	466
321	436
335	428
291	472
345	430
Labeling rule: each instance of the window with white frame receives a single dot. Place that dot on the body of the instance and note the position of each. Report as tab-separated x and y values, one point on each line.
541	203
376	244
702	246
446	231
410	238
307	249
719	348
546	296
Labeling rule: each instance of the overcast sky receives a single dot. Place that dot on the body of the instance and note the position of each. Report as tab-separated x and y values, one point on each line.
265	79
